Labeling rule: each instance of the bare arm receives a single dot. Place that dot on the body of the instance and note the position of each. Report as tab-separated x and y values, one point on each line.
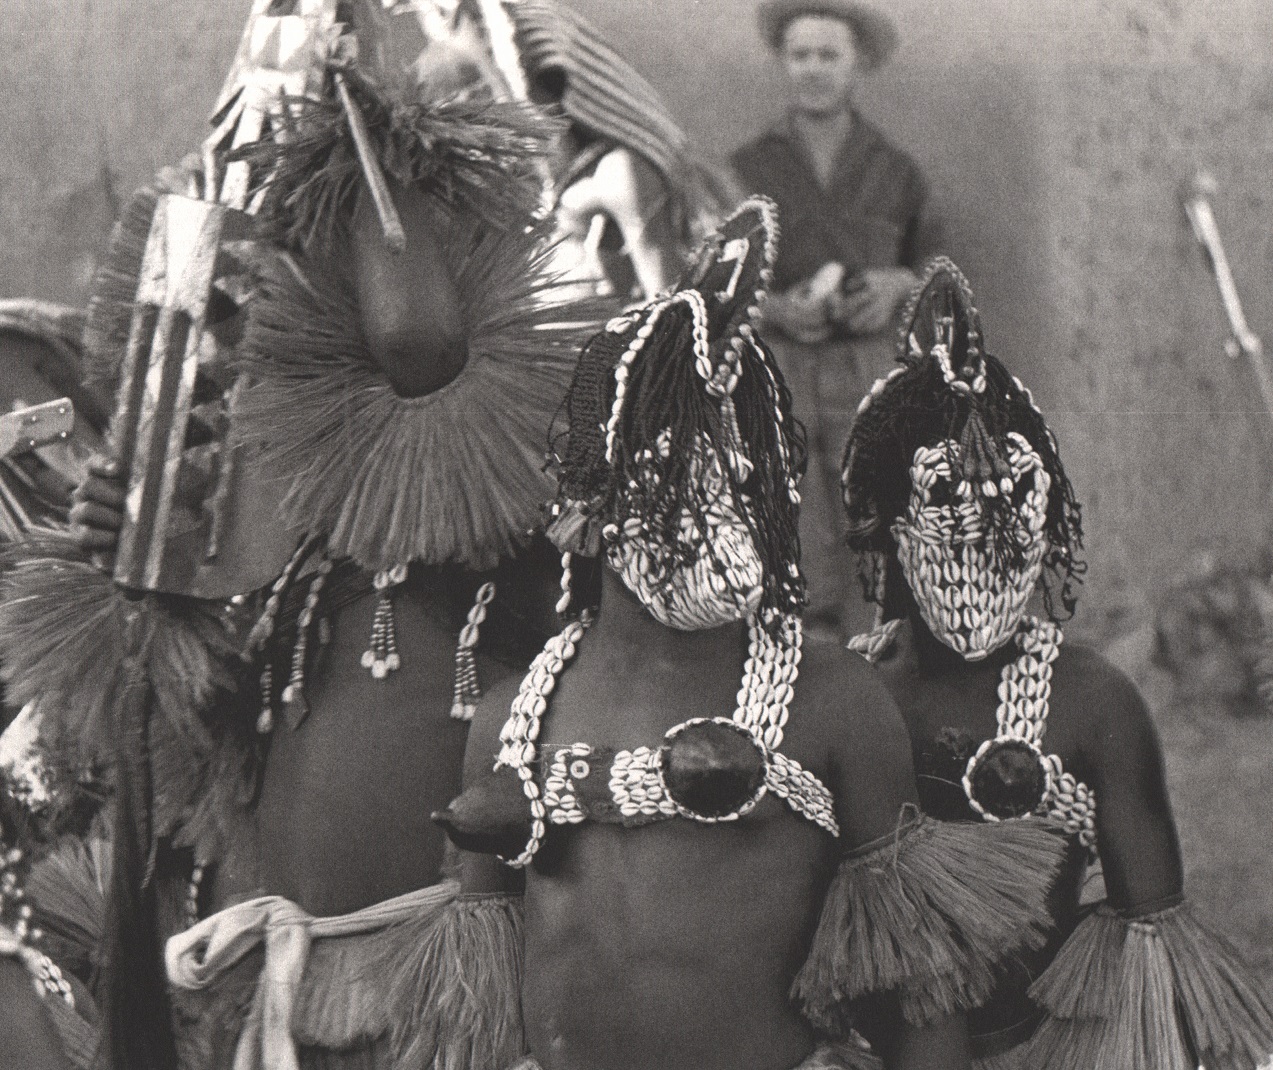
872	774
1139	848
485	873
873	779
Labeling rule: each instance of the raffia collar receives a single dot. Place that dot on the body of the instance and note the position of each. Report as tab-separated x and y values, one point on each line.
455	476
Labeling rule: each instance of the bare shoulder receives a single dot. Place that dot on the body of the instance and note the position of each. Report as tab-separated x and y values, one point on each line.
845	700
1093	684
1114	726
849	720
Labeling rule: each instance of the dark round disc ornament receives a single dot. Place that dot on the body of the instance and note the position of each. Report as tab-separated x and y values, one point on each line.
1007	778
713	769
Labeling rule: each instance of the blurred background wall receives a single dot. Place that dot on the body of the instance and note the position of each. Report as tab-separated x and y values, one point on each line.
1056	134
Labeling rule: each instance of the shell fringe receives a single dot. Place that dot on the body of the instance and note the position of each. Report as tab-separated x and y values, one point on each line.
931	912
1162	992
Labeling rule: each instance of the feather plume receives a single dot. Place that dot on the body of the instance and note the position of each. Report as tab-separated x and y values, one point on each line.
67	890
473	155
1163	992
931	912
455	476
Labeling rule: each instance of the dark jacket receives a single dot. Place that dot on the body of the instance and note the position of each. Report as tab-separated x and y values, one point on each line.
873	214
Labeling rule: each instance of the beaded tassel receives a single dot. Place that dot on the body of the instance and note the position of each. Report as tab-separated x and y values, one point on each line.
17	936
467	689
192	895
12	894
381	657
265	719
294	704
261	632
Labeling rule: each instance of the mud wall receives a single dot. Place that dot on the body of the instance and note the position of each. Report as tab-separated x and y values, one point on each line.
1056	134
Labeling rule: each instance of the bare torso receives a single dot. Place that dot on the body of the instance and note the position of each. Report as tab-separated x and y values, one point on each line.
1099	728
345	801
697	928
675	944
346	798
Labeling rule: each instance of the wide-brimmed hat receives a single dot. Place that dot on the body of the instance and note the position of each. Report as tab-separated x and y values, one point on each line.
874	31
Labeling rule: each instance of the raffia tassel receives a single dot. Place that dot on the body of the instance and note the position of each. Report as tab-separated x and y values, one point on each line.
63	640
67	889
456	1001
1138	994
931	910
467	688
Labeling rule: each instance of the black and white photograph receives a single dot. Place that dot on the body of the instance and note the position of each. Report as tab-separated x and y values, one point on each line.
636	535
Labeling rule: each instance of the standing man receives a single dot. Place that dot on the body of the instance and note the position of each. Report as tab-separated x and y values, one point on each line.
855	229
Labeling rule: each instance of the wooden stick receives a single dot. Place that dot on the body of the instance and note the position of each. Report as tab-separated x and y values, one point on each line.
390	223
1244	341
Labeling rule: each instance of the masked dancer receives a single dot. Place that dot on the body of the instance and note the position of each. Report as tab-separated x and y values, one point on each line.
681	861
960	506
355	282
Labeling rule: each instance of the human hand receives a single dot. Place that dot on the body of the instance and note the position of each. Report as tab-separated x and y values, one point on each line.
871	298
97	510
800	314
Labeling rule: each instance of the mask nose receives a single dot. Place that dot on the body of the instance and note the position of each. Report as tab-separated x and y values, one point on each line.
408	303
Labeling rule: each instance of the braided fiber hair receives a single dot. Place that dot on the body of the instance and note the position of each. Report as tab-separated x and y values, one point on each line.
922	403
647	467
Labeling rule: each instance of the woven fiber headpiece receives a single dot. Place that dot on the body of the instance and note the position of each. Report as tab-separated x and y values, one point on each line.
680	441
951	405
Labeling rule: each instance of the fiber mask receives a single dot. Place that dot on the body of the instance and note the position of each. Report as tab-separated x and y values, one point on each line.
704	574
681	462
971	597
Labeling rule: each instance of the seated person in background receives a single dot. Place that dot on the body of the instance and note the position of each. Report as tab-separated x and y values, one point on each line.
688	842
854	215
954	487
